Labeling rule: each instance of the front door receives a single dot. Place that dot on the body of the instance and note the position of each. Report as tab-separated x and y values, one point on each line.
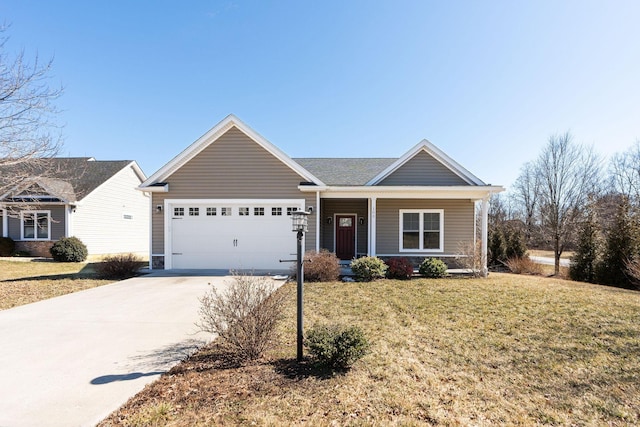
346	236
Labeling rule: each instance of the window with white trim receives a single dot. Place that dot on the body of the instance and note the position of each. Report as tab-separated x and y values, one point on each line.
211	212
225	211
290	210
35	225
243	211
178	211
258	211
194	211
276	211
422	230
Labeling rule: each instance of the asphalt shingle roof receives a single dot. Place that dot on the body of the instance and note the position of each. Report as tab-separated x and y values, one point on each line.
345	171
82	174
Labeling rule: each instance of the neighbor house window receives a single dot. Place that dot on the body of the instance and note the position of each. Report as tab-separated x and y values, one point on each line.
422	230
36	225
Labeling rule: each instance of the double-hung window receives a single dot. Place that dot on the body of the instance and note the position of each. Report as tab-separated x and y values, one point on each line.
422	230
36	225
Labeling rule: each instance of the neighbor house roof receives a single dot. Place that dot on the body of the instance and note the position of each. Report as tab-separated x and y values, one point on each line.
345	171
69	179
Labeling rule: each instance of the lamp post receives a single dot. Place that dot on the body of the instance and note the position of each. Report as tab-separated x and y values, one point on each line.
300	226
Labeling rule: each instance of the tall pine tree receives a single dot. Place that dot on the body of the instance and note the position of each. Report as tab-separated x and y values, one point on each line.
587	254
622	245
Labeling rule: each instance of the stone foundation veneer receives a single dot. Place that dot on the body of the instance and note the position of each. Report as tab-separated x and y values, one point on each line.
36	248
157	262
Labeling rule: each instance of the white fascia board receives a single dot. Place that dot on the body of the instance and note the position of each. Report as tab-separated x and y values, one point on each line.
405	192
154	188
136	168
211	136
435	152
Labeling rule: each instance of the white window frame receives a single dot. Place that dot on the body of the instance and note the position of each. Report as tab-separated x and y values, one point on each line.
421	213
35	232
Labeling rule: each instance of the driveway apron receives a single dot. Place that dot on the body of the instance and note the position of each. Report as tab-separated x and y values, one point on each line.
72	360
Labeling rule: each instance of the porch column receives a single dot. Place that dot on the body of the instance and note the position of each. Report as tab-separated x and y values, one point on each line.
372	225
318	218
485	234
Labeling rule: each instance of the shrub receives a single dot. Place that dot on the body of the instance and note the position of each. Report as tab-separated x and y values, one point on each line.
523	265
433	268
7	246
69	249
368	268
120	266
470	257
633	271
244	315
321	266
399	268
337	347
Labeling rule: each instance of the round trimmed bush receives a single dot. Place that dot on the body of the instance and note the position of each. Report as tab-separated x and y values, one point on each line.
337	347
368	268
7	246
433	268
69	249
399	268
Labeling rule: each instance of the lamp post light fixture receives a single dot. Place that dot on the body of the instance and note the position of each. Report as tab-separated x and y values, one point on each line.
300	226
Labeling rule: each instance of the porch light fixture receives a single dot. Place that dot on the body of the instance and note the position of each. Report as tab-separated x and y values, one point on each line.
329	220
158	208
299	219
361	220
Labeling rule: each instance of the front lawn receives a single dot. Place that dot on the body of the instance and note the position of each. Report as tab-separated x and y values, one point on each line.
507	350
24	282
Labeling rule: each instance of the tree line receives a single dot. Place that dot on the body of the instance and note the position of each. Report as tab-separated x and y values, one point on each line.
570	199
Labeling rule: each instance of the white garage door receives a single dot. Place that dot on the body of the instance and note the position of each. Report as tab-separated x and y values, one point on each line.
232	234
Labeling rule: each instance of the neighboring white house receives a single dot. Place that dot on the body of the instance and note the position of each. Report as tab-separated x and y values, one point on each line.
95	201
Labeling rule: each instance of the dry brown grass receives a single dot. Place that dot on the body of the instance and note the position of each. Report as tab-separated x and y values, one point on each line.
23	282
507	350
549	254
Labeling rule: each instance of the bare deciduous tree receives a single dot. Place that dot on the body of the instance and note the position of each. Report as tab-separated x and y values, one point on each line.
625	173
568	174
28	132
526	194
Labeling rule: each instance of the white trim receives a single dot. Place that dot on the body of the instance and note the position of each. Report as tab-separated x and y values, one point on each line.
434	152
210	137
405	192
355	236
374	220
168	209
485	233
420	254
5	223
318	219
154	189
35	222
421	213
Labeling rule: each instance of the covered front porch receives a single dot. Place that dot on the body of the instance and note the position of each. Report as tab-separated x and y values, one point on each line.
375	225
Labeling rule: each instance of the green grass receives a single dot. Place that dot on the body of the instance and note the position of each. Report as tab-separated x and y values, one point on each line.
514	350
24	282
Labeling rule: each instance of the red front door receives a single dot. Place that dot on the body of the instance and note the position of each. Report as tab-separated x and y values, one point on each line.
346	236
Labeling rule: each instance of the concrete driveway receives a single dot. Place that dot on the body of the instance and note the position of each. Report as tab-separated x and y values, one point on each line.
72	360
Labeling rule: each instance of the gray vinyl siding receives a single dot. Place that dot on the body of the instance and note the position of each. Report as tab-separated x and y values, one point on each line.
57	222
458	223
423	169
232	167
343	206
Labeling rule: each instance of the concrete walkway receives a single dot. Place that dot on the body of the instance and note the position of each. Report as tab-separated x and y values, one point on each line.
72	360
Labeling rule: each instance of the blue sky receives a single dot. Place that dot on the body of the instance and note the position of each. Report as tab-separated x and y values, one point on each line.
486	81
